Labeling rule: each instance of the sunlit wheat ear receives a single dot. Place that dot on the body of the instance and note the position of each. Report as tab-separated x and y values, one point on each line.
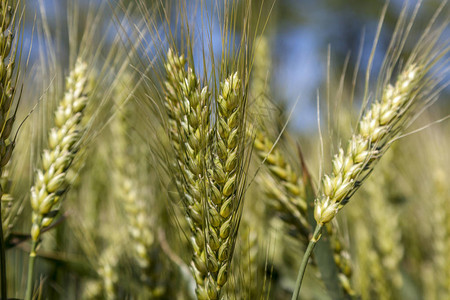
63	142
378	126
223	201
287	190
188	121
281	183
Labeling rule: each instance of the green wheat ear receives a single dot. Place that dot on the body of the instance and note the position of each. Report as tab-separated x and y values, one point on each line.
224	186
7	118
187	107
62	147
63	144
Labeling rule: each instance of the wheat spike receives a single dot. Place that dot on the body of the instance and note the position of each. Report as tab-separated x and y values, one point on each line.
63	144
7	91
287	189
378	126
187	106
441	240
224	186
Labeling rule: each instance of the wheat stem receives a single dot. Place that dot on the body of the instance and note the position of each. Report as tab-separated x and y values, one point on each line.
2	259
29	290
308	252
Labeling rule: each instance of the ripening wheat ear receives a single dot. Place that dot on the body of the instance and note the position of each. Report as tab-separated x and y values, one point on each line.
188	111
63	145
7	91
223	201
207	174
379	125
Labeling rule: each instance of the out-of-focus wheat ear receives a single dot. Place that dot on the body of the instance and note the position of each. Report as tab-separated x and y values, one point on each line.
385	217
225	184
342	259
108	272
368	265
283	185
92	290
249	264
441	235
259	91
187	107
63	144
126	184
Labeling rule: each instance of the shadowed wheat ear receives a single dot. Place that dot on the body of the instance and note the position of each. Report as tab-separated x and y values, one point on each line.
283	185
63	143
7	91
187	106
126	182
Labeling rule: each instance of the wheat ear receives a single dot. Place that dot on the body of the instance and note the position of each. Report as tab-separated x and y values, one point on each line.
441	241
125	180
108	272
287	189
378	126
63	144
8	207
6	121
223	201
187	106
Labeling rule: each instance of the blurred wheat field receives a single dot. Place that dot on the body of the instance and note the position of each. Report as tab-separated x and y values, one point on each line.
147	151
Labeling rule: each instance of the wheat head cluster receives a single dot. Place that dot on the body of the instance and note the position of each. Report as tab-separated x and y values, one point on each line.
146	153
